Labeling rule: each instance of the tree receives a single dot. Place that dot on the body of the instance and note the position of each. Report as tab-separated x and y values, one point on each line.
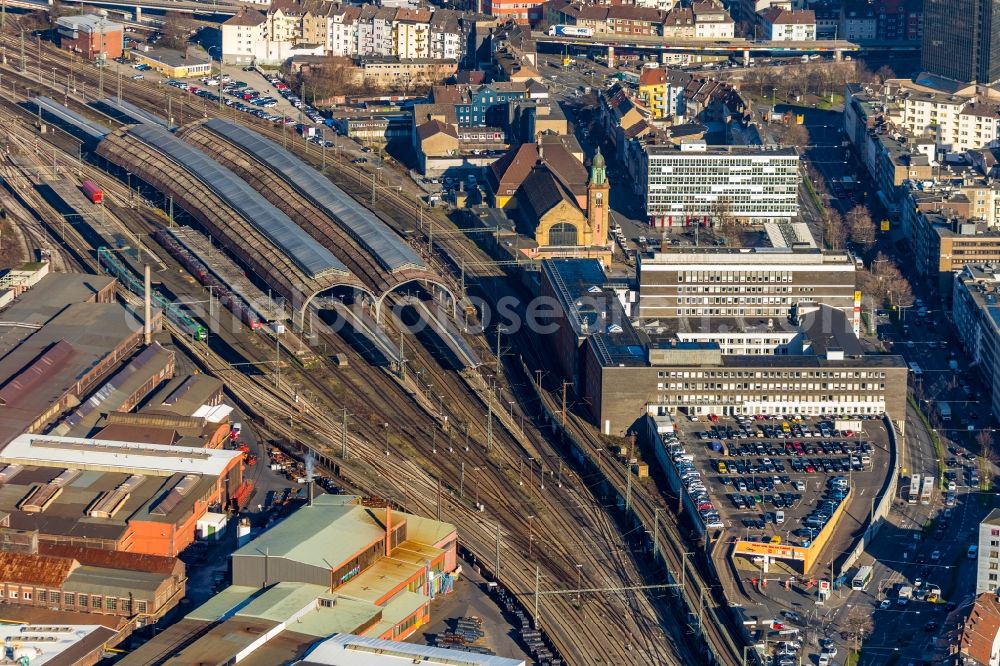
987	456
725	223
177	30
834	231
859	626
861	227
884	73
796	135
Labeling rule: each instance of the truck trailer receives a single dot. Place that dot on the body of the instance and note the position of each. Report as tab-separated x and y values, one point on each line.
570	31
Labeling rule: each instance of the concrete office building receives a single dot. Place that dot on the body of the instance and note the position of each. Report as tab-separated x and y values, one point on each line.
962	41
623	375
976	316
694	182
988	557
753	284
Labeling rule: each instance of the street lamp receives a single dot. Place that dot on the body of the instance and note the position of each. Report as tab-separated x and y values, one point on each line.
386	427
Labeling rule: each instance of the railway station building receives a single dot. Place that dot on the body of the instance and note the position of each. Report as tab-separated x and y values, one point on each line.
334	566
624	373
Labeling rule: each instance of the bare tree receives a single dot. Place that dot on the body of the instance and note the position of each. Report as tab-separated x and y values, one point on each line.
885	283
796	135
861	226
884	73
984	438
859	626
834	230
725	223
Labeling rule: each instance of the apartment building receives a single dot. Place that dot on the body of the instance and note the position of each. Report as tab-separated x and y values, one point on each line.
944	243
411	33
702	20
292	27
519	11
754	284
695	182
241	36
988	556
784	25
976	313
662	91
712	21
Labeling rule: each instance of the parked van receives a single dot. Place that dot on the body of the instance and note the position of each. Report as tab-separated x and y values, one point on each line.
779	517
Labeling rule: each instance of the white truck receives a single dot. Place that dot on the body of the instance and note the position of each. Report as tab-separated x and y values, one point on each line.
944	409
905	594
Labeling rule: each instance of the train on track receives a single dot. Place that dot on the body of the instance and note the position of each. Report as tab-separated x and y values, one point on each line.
239	306
133	283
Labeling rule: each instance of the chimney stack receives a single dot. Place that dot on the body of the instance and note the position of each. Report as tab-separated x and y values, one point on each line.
388	529
311	491
147	315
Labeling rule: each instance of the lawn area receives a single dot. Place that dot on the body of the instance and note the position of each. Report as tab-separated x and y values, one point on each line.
826	102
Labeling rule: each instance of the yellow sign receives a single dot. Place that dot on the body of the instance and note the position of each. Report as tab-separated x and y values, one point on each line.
857	297
771	550
885	225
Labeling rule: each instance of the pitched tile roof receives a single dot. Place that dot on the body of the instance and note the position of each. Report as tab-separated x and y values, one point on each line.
512	168
980	629
248	18
542	191
432	127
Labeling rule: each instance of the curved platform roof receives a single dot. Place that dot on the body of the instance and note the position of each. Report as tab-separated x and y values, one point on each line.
386	247
311	257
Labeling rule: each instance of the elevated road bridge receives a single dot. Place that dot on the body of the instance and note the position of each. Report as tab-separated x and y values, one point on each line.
649	44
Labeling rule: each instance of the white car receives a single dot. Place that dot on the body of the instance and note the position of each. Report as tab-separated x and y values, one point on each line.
886	603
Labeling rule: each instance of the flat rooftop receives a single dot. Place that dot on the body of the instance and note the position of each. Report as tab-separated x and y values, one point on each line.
348	650
105	455
59	643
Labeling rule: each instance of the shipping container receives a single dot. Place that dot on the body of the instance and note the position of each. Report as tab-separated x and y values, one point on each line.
93	192
570	31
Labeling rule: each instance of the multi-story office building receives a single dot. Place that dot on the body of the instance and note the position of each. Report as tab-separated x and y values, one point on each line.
963	42
944	243
976	315
988	557
749	284
694	182
623	376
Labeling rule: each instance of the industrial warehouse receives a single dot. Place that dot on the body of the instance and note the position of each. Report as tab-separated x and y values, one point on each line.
333	566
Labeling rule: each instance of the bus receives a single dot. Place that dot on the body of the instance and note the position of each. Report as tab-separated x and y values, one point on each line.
914	494
862	578
916	370
927	489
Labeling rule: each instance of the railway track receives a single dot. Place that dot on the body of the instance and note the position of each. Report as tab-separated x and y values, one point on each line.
591	634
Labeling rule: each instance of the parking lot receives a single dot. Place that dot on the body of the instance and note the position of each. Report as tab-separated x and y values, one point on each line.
780	480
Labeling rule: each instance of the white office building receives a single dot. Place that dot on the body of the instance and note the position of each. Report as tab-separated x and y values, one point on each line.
695	182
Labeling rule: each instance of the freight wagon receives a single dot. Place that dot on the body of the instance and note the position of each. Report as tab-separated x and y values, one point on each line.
236	304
